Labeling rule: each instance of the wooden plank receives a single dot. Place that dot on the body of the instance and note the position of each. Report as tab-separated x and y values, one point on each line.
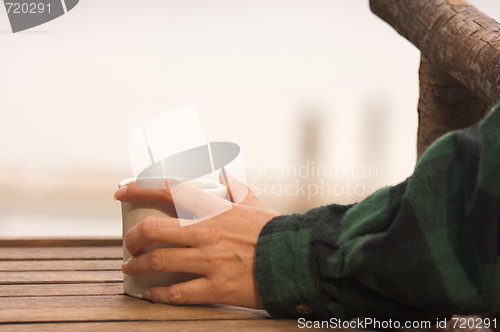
61	290
60	242
271	325
110	308
69	302
61	253
59	277
60	265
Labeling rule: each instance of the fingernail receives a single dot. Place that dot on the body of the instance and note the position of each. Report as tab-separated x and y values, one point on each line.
125	266
120	193
147	295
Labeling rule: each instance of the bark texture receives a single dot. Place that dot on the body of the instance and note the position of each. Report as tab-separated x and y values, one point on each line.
452	34
445	104
460	48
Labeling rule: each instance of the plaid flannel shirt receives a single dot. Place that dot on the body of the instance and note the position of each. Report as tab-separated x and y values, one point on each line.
427	248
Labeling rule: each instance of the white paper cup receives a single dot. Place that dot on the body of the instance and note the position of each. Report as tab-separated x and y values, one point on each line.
132	214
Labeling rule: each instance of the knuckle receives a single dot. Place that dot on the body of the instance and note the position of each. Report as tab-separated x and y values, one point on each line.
149	226
175	296
222	286
155	260
157	296
212	234
219	260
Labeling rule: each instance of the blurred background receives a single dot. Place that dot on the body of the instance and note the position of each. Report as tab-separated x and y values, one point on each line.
321	96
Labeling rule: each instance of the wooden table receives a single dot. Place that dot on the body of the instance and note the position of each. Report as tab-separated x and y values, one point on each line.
76	285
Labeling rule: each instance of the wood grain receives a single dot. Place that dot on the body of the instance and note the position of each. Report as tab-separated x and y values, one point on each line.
60	265
80	288
61	290
272	325
60	242
60	277
71	302
61	253
110	308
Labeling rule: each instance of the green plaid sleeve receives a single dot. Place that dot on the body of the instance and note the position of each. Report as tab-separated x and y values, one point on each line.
424	249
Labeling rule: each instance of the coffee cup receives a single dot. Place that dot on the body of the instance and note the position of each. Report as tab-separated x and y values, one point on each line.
135	212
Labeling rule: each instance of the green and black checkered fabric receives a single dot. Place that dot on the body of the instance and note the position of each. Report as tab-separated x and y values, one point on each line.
424	249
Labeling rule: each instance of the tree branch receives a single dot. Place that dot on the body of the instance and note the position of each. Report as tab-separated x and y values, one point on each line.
460	66
452	34
445	104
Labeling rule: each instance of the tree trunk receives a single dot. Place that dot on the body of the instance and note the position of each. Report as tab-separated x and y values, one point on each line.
460	60
452	34
445	104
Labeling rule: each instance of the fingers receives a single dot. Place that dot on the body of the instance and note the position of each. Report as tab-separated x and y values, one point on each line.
166	260
171	231
161	230
131	192
195	202
182	199
197	291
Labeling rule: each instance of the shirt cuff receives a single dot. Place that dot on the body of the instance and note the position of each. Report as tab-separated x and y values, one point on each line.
286	284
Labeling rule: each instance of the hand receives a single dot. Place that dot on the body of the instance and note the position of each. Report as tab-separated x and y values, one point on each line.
221	249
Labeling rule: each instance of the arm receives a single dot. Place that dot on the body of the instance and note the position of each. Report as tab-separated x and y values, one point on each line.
424	249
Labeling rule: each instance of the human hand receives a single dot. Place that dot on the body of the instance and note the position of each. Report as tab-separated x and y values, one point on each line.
221	249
